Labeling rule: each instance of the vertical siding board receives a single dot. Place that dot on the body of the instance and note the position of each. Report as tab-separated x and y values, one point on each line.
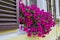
17	4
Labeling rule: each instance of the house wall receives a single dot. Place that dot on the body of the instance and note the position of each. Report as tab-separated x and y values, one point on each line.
42	4
57	8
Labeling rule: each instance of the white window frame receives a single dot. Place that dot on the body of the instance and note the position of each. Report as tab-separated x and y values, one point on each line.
57	9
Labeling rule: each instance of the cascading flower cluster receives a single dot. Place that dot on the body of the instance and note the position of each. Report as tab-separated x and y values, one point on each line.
36	21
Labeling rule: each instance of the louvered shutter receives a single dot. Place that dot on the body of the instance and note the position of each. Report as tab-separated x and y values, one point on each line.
8	15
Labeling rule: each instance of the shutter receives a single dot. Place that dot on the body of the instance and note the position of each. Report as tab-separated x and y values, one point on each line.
8	15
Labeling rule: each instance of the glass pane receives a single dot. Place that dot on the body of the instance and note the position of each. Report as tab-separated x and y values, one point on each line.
33	2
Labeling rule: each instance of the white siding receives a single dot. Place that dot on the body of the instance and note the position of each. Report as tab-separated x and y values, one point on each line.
57	8
42	4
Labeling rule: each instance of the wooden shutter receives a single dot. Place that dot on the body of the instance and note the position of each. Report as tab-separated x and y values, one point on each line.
8	15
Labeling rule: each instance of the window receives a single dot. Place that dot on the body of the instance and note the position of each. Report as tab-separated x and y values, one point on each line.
51	7
54	9
33	2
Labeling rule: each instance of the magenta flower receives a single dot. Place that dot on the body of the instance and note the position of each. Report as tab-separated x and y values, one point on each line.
29	34
26	29
36	21
20	20
39	35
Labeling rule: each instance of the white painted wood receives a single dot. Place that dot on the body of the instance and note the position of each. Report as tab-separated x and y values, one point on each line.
5	19
7	15
8	23
52	7
7	7
7	11
17	8
42	4
13	1
7	3
57	9
28	2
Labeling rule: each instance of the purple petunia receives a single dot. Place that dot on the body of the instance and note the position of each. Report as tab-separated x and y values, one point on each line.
36	21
